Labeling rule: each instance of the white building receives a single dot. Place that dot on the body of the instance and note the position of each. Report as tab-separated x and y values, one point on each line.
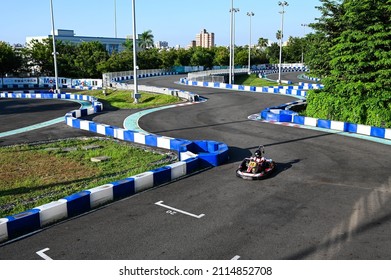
111	44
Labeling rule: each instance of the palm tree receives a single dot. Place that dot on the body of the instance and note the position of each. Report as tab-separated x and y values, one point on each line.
146	39
279	35
263	42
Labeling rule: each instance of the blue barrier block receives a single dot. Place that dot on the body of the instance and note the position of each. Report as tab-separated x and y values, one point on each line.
228	86
194	83
252	88
179	145
23	223
351	127
324	123
241	87
205	84
76	123
129	135
123	188
216	84
151	140
109	131
78	203
161	175
84	112
192	164
298	119
378	132
92	127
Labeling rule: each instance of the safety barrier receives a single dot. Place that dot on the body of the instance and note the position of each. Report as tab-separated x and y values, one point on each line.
193	156
281	113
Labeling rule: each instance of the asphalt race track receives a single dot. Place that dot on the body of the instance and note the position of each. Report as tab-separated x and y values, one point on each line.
329	199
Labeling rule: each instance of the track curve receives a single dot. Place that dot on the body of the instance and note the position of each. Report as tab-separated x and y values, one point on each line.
329	199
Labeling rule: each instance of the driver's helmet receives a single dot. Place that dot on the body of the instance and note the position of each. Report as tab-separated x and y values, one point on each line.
258	154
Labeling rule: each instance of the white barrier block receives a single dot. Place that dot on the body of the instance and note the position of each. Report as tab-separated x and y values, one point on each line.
3	229
143	181
236	87
164	142
139	138
78	113
101	129
275	111
119	133
52	212
223	85
85	125
38	95
387	134
363	129
100	195
340	126
186	155
178	169
90	111
69	121
310	121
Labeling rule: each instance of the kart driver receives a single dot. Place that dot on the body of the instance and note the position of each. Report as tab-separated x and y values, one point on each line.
258	158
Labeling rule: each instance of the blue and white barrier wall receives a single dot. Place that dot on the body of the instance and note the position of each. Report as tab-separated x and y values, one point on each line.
297	91
281	114
193	156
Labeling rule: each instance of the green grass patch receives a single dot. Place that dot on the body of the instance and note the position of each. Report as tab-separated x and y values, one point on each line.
32	175
253	80
123	99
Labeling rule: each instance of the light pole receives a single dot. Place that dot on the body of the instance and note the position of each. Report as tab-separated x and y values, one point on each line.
233	11
54	48
282	4
230	42
115	18
136	96
302	47
250	14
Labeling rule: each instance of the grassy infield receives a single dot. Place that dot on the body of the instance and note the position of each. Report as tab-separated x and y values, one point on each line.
33	175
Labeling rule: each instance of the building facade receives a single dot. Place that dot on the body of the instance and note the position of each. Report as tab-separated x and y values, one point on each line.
205	39
65	35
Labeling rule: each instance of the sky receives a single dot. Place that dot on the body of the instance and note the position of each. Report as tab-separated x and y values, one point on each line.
174	21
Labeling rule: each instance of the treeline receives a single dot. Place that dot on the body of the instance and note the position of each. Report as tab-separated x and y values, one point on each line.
351	51
91	60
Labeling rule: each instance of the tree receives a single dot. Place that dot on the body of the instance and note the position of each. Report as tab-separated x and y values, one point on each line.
358	84
221	56
293	50
202	57
146	40
9	60
89	56
263	42
328	27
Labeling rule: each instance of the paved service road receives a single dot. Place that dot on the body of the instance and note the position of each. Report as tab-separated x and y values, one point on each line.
329	199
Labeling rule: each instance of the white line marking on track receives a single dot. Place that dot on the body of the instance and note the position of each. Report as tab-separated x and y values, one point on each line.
160	203
43	255
235	258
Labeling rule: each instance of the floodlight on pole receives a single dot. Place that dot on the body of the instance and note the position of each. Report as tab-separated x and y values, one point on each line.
282	4
250	14
115	18
233	11
230	42
54	48
302	48
136	95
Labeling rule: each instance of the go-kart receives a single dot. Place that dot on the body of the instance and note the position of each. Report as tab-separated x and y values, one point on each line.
254	168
